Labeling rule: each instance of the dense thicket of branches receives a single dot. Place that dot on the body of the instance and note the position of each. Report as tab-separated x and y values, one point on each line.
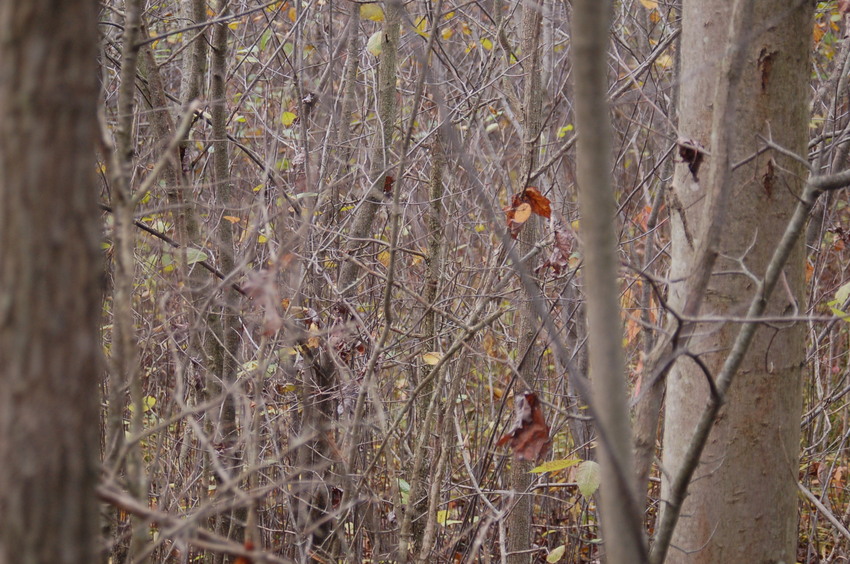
314	313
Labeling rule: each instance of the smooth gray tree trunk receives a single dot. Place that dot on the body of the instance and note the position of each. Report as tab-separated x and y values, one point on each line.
622	532
742	503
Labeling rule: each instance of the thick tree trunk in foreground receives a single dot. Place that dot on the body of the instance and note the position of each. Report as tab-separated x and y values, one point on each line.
742	505
50	287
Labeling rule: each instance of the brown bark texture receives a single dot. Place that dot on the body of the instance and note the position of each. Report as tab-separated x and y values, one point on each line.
742	501
50	288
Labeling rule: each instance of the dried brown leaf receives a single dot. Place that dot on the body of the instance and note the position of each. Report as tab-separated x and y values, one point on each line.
529	437
539	203
559	260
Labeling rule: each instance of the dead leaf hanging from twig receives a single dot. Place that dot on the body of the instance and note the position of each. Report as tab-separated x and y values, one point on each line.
529	437
559	260
261	289
522	206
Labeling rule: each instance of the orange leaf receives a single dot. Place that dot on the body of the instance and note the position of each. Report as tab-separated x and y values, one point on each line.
522	206
539	202
516	217
522	213
244	559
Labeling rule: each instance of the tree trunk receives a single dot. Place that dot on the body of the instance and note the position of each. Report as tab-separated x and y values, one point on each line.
742	505
50	275
519	520
621	518
223	348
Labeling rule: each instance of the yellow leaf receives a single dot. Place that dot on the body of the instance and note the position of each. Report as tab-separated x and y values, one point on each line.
421	24
555	465
287	118
384	258
447	33
293	14
149	402
649	4
232	218
497	392
262	239
371	12
664	61
234	25
487	44
432	358
443	518
375	43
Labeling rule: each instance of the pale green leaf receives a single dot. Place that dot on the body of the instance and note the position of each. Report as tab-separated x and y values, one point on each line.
375	43
588	476
195	255
556	554
843	293
404	489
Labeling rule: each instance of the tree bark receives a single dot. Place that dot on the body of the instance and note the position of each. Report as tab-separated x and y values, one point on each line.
519	520
621	519
50	275
381	157
223	348
742	501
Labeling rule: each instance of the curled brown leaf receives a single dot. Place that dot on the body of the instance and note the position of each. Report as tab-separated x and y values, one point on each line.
529	437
